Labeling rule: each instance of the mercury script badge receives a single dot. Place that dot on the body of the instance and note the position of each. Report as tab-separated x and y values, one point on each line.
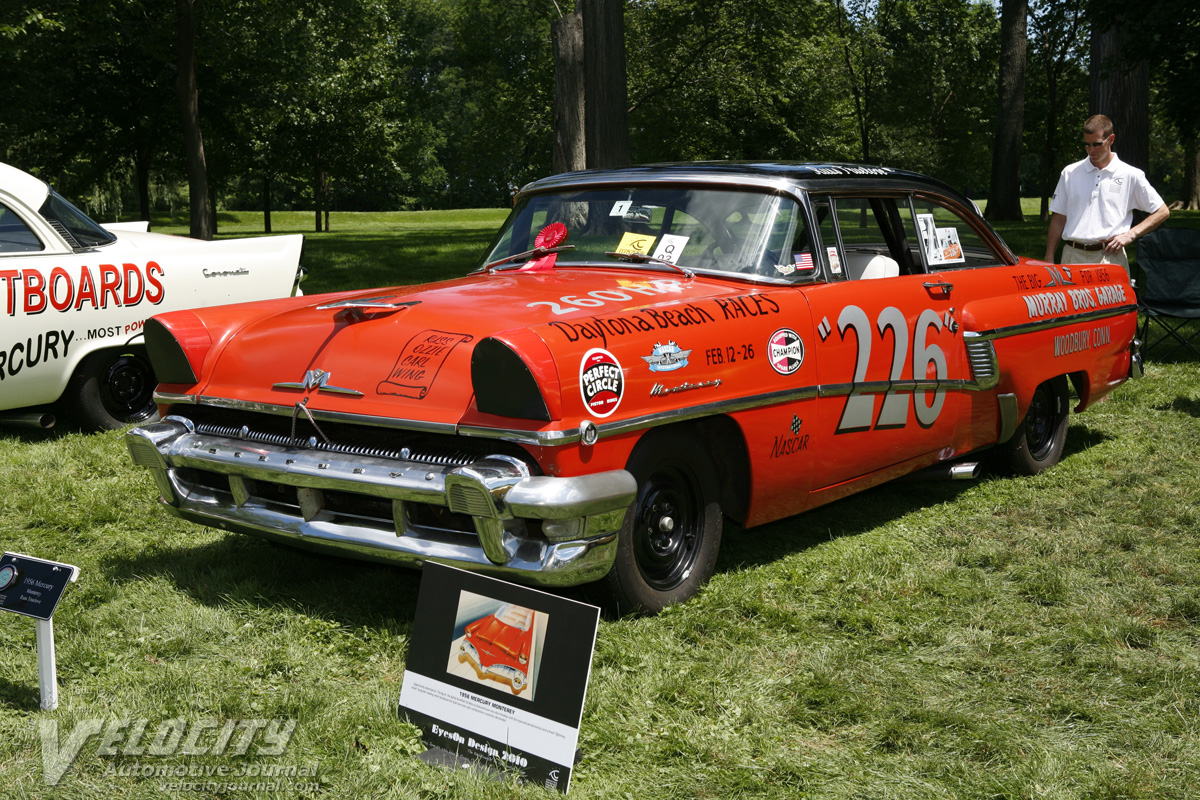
317	379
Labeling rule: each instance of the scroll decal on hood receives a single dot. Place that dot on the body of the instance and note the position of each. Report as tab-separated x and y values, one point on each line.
417	366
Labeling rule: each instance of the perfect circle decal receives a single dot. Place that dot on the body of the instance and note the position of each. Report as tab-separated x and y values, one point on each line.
786	351
601	382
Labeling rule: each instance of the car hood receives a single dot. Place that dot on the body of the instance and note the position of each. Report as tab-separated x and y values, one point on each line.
405	352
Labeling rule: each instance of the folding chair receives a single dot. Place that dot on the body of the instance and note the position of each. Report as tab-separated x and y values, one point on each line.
1169	292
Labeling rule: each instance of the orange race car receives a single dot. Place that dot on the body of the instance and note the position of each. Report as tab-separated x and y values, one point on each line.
640	353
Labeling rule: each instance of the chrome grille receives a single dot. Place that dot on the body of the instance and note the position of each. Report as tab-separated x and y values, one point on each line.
343	438
981	355
466	500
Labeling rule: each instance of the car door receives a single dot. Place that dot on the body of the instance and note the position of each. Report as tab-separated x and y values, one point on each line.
889	351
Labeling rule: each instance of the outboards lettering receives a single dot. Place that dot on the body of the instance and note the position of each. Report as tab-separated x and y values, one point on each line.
32	292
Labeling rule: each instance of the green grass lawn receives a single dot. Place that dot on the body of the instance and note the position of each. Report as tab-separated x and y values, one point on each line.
1002	638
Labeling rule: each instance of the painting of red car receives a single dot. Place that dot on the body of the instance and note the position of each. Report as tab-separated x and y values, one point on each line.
500	646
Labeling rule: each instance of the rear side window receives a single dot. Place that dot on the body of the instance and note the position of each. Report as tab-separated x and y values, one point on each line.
15	236
948	241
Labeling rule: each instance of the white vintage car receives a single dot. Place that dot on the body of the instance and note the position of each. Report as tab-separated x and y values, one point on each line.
74	296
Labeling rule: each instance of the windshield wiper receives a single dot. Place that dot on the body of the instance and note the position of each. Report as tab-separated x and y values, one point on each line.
642	258
537	251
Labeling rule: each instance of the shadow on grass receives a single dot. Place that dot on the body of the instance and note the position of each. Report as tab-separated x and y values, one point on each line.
1183	405
21	696
240	569
367	261
859	513
862	512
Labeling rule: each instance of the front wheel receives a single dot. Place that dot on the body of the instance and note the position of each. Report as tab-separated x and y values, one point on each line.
1040	438
111	389
667	548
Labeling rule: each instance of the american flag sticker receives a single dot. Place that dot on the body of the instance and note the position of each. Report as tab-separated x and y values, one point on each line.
804	261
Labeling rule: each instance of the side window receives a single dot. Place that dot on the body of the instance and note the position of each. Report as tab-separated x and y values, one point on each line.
948	241
15	236
874	236
827	230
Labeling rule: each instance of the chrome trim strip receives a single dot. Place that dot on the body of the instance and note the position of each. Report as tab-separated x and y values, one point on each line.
1052	322
170	398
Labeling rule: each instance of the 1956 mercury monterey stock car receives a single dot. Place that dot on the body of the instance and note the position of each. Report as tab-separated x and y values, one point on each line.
640	353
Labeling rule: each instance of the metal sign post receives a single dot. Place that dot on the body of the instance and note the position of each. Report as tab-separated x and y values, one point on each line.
32	587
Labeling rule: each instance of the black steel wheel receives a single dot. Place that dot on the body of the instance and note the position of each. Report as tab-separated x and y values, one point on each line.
1040	438
111	389
668	546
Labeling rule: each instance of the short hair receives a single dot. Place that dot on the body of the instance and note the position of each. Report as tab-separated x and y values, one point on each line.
1100	124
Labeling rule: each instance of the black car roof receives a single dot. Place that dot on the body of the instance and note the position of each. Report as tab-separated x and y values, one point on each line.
806	175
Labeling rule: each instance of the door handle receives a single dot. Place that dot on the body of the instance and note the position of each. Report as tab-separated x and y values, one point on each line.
938	286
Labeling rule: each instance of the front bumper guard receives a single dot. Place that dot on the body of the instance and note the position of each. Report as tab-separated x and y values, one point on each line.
542	530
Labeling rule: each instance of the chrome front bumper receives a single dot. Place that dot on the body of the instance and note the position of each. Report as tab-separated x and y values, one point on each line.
534	529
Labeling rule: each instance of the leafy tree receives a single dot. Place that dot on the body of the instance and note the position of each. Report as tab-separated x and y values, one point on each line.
91	106
727	79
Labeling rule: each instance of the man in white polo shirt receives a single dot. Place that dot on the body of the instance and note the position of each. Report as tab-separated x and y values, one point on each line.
1092	208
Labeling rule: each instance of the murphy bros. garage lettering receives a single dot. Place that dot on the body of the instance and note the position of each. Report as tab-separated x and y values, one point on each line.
30	291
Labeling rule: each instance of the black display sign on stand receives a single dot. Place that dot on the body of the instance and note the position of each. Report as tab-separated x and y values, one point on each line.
497	674
32	586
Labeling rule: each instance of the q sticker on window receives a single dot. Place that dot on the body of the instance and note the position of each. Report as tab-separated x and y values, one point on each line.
635	244
670	248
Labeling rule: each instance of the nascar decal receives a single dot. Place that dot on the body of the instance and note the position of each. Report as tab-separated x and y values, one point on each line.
791	442
785	349
418	363
66	290
667	357
601	382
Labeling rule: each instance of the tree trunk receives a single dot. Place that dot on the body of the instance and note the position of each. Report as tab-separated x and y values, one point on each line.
570	153
605	87
1190	194
1122	93
202	222
1004	193
266	200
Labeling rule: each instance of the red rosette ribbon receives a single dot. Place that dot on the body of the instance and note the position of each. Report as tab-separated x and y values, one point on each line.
549	237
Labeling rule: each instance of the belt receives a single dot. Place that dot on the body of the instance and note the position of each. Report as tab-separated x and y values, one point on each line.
1091	248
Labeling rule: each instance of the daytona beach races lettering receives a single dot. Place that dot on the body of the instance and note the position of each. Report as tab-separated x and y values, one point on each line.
601	382
70	290
650	320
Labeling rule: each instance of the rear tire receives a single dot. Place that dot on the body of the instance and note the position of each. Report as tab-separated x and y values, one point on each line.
111	389
667	548
1039	440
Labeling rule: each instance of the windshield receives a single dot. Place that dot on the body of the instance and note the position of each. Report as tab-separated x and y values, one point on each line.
72	224
750	233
